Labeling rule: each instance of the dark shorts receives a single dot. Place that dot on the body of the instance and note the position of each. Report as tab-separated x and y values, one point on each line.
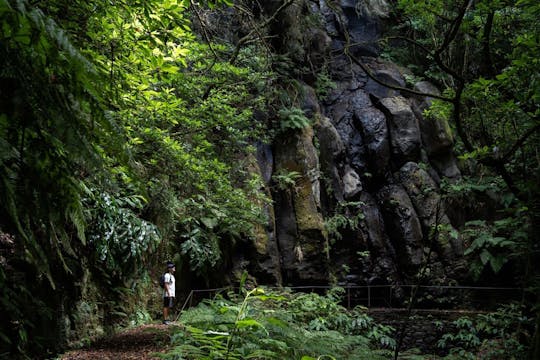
168	302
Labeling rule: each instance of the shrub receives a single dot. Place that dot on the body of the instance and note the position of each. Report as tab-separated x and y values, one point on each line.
264	324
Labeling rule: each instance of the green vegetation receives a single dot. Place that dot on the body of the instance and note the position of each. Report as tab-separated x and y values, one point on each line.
120	135
344	219
492	243
495	244
286	180
484	56
293	118
492	336
127	137
271	324
264	324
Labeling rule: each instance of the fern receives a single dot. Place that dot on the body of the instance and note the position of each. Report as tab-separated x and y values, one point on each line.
272	326
286	180
293	118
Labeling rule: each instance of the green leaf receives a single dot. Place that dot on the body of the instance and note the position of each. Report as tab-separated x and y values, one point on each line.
485	256
248	322
209	222
496	240
497	263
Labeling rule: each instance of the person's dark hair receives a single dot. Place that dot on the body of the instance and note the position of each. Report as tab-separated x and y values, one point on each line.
170	264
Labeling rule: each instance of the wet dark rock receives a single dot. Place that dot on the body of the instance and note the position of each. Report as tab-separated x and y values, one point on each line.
405	137
373	155
331	150
424	194
265	160
385	73
372	123
402	226
364	28
373	226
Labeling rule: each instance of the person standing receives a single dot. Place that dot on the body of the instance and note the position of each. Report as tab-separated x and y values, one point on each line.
169	291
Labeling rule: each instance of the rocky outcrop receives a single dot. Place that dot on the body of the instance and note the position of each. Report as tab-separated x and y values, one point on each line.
422	191
402	226
372	155
261	256
301	234
404	129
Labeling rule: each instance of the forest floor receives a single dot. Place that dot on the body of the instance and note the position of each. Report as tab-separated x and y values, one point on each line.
141	343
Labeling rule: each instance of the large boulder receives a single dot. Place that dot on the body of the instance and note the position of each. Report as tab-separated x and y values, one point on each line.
402	226
405	136
436	132
424	194
385	73
437	136
343	114
372	123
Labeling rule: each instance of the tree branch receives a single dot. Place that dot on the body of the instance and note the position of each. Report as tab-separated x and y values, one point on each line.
256	30
456	115
205	33
368	72
520	142
412	41
246	38
448	38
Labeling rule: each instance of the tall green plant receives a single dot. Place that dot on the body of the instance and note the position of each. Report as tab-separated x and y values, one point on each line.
264	324
494	244
52	131
47	128
492	336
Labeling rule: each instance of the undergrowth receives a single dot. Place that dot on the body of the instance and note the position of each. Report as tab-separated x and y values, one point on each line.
268	324
263	324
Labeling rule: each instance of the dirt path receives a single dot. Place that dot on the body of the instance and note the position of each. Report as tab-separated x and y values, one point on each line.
138	343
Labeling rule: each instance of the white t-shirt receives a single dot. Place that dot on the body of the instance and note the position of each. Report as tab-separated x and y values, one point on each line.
169	279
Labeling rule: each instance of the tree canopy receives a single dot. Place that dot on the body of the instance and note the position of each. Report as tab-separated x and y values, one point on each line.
118	134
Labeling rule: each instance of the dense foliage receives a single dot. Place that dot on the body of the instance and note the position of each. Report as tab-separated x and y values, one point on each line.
269	324
265	324
118	131
123	135
484	55
490	336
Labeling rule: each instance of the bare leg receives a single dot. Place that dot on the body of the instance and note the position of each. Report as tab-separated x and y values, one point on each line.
165	313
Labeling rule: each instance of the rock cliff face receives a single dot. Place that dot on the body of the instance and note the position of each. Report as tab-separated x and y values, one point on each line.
366	200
